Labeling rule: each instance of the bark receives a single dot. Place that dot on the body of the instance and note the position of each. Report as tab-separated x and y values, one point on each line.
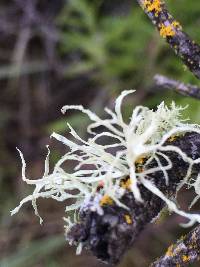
179	87
185	251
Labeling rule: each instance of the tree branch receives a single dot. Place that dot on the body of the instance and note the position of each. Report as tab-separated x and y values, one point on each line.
172	31
185	251
179	87
110	235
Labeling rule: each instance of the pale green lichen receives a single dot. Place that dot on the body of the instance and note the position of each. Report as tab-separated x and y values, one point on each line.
143	136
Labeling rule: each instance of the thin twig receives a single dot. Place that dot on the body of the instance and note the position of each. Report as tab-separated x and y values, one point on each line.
172	31
185	251
178	86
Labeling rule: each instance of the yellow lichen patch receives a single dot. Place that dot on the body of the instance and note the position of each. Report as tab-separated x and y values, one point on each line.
140	160
169	252
172	138
106	200
125	183
175	137
128	219
153	6
167	31
177	25
139	169
185	258
139	164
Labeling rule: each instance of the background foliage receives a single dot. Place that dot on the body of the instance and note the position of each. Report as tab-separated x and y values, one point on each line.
70	52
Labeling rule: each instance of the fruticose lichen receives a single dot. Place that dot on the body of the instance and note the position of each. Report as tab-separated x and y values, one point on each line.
100	175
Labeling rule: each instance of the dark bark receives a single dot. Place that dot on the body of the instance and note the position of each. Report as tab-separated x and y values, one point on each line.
184	252
179	41
109	236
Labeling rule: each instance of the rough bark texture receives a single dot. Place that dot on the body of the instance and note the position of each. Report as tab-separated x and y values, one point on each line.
171	30
184	252
179	87
110	235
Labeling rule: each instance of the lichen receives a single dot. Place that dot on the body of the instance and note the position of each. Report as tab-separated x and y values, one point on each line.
176	25
126	183
128	219
106	200
153	6
185	258
100	177
170	252
167	30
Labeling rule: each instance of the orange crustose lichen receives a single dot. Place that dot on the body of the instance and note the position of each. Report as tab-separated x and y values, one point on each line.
153	6
185	258
172	138
139	164
177	25
167	31
128	219
140	160
169	252
106	200
125	183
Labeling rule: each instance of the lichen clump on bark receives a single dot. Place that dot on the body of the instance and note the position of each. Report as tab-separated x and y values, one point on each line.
106	181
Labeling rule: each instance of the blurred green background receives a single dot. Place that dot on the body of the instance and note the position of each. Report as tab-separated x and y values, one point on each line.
60	52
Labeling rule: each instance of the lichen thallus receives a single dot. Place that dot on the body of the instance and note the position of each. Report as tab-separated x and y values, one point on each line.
101	177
